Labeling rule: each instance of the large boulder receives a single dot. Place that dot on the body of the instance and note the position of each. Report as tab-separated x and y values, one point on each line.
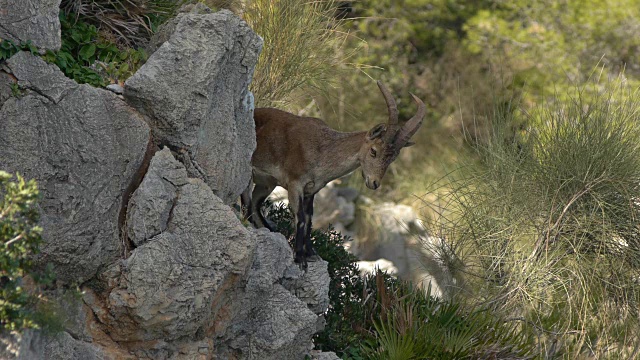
84	146
194	89
172	285
200	283
34	20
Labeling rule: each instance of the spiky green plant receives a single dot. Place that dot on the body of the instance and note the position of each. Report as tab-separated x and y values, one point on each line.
416	325
545	221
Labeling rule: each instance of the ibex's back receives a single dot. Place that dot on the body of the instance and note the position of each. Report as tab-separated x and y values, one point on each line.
290	146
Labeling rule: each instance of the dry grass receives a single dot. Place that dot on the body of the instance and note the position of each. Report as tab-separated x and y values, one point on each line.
303	48
545	222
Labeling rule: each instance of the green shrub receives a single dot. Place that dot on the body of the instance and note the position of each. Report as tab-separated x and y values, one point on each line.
129	22
545	223
83	52
20	240
415	325
8	48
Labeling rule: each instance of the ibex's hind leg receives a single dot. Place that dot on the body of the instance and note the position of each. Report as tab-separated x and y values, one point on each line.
259	195
245	200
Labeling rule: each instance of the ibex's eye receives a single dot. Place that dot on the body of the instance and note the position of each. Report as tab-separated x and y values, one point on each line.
372	152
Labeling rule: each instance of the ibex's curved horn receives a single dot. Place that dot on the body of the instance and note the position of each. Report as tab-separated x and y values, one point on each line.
412	125
391	103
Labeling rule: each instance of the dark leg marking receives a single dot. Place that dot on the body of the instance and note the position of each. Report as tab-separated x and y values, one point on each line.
301	228
308	247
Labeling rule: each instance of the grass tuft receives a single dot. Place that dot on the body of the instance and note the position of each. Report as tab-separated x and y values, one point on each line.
544	221
303	48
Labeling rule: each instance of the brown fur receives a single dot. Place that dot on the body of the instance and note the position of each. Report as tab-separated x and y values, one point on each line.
302	154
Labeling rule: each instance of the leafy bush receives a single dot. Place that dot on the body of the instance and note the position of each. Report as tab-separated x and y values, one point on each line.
20	240
8	48
129	22
545	223
379	317
83	51
415	325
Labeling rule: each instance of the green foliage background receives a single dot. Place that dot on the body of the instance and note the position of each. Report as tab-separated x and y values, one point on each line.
19	241
463	57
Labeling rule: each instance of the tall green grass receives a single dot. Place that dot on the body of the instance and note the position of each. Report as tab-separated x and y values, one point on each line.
303	48
542	223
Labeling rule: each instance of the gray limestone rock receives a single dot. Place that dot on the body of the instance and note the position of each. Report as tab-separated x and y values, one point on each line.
324	356
7	85
83	146
271	323
313	286
35	20
172	284
35	345
194	89
115	88
150	206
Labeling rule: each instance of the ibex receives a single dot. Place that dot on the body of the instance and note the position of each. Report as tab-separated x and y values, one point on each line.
303	154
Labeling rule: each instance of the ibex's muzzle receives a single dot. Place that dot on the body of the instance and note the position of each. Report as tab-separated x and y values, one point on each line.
372	184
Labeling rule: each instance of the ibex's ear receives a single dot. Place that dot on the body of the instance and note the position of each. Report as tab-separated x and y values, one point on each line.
377	131
409	143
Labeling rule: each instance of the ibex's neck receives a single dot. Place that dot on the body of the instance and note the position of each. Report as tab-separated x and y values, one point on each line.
341	154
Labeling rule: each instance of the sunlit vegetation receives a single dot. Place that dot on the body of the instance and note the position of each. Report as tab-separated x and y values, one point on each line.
20	305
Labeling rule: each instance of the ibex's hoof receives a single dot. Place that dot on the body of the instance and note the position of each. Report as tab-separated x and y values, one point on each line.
314	258
301	260
303	265
270	225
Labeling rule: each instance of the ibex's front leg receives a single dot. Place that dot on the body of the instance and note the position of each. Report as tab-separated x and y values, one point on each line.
302	207
308	210
296	203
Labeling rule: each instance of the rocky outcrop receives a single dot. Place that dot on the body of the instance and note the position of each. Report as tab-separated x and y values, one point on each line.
272	321
34	20
206	278
194	88
172	284
135	212
83	145
35	345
